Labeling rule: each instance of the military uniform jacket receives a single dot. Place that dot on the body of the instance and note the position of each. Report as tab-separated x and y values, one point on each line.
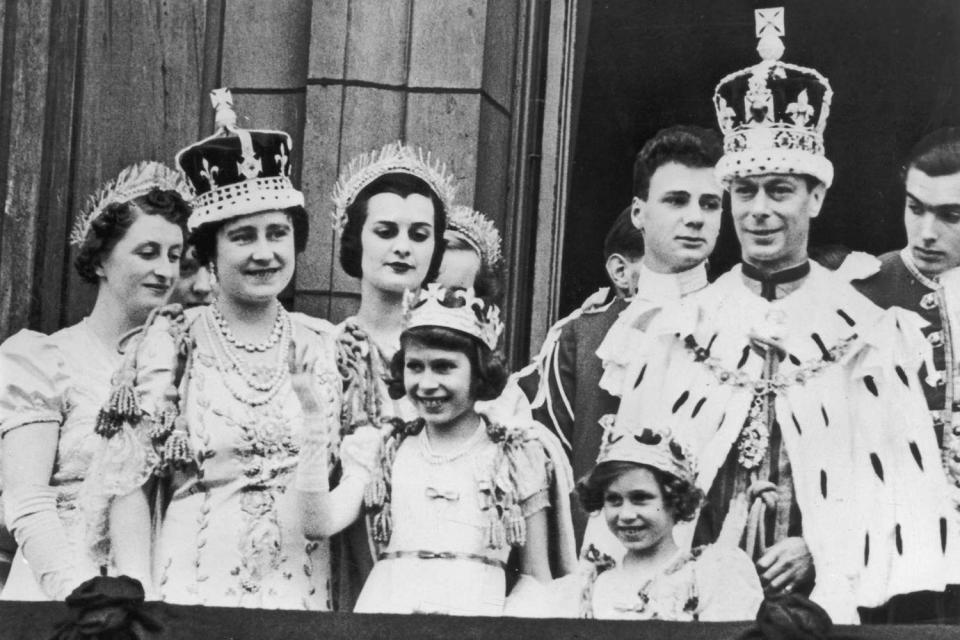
572	402
898	283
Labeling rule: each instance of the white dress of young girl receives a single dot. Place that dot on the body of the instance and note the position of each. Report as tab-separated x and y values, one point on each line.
62	378
707	584
438	560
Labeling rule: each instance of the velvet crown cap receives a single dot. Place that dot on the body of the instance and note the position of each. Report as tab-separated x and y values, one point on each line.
236	171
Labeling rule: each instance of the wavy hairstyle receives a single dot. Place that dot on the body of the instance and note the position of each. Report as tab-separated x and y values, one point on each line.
403	185
108	228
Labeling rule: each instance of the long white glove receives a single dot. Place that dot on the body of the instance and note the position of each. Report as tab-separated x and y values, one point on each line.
31	512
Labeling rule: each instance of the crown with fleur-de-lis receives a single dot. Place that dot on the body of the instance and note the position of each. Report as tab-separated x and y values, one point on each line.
236	171
773	114
395	157
478	231
453	308
133	182
655	448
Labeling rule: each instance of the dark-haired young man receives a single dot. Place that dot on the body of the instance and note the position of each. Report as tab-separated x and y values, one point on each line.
924	277
655	253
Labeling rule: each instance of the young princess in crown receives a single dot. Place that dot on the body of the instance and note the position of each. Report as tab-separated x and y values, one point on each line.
454	492
644	486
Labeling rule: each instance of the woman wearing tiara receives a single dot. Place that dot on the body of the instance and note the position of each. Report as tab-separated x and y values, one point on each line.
643	484
390	210
217	411
129	242
473	255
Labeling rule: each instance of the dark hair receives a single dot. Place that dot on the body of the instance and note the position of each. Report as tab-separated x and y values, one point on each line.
486	365
204	237
681	497
403	185
624	237
830	256
937	153
689	145
108	228
488	284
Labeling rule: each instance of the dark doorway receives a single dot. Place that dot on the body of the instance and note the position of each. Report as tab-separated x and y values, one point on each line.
895	71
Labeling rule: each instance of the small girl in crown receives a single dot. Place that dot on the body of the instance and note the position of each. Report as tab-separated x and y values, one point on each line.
644	486
454	492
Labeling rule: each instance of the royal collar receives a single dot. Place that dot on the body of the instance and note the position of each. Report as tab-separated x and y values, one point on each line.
770	281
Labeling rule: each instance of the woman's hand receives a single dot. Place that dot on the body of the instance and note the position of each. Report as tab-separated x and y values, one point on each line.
303	380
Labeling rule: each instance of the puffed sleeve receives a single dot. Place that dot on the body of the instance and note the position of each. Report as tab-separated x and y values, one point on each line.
727	585
33	392
34	381
533	471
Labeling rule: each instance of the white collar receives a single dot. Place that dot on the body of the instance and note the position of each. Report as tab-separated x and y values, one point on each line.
655	286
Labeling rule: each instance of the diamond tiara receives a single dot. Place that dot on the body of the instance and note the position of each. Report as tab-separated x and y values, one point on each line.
479	231
395	157
133	182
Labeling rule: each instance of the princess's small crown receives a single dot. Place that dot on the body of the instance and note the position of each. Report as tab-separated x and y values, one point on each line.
454	308
133	182
395	157
479	232
773	114
655	448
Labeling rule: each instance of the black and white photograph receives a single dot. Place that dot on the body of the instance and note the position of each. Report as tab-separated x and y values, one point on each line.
479	318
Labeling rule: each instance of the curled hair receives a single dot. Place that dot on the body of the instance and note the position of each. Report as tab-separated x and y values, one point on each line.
108	228
624	237
937	154
487	368
204	237
681	497
403	185
691	146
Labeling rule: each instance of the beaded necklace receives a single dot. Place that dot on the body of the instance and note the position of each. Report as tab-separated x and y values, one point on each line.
249	347
271	387
434	458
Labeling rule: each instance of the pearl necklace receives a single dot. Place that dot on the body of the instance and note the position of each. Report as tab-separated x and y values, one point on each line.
271	387
249	347
431	457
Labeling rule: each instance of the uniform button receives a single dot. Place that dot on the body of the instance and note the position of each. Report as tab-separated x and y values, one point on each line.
935	338
929	301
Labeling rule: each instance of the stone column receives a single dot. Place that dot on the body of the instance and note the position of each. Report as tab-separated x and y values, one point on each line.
436	73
